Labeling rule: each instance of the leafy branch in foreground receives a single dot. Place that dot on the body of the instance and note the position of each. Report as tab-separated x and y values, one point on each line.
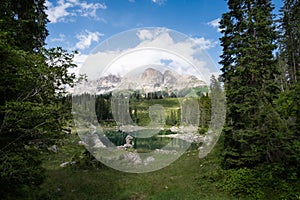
34	108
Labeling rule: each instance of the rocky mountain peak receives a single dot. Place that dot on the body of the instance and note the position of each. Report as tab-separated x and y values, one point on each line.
149	80
151	75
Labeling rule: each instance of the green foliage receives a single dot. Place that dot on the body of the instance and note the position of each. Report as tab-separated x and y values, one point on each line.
20	173
290	42
165	132
204	103
138	108
249	75
261	145
202	130
288	105
275	181
243	182
33	104
25	23
173	118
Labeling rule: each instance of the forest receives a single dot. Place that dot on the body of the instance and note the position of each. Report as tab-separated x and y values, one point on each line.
256	157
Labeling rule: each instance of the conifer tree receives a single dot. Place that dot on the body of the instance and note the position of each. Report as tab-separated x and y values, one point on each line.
25	23
289	101
33	103
249	73
290	43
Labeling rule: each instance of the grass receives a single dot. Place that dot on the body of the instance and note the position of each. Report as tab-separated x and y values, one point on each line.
187	178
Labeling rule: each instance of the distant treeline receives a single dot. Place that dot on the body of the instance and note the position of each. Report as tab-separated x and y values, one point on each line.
133	108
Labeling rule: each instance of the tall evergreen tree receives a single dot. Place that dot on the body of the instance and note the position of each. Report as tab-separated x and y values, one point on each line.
290	52
25	23
290	43
33	106
249	74
289	102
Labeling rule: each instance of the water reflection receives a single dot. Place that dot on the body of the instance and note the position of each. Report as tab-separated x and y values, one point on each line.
112	138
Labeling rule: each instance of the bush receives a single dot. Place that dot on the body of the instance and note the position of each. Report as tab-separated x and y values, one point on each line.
279	182
202	130
243	182
20	173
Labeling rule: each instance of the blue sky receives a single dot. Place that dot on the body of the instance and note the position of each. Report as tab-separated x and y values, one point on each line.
82	25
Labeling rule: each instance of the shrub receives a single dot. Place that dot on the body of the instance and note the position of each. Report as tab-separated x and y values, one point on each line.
243	182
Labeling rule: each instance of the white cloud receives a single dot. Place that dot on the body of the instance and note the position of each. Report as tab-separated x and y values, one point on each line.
215	23
188	49
89	9
56	13
159	2
79	59
86	39
66	8
60	38
204	43
185	55
147	34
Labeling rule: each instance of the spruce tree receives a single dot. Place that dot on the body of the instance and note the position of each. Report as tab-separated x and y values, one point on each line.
290	43
289	101
249	73
24	23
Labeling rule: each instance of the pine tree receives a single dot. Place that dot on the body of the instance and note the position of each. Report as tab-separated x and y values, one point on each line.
249	73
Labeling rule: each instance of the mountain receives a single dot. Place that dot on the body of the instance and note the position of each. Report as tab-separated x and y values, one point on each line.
108	83
151	75
149	80
170	77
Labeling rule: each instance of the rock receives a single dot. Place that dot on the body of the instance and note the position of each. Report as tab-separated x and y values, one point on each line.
92	128
64	164
209	131
67	130
127	146
128	143
67	163
153	76
81	142
98	143
200	148
53	148
129	139
162	151
148	160
92	140
73	162
121	147
131	157
149	80
174	129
